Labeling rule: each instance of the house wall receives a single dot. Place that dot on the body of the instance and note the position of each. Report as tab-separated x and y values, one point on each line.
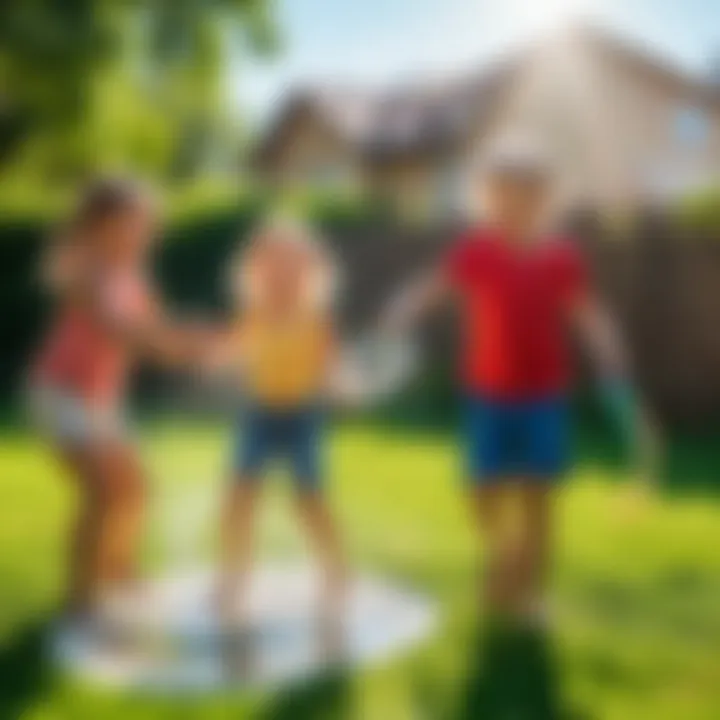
611	128
668	138
556	102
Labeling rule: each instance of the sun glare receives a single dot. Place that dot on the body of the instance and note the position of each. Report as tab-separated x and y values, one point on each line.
547	14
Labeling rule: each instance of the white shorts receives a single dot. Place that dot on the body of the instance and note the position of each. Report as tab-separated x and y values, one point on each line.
64	417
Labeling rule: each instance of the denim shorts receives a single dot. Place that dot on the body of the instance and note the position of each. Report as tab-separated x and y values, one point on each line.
527	438
291	435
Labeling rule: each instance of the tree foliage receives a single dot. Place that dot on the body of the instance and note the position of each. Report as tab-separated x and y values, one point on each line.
91	83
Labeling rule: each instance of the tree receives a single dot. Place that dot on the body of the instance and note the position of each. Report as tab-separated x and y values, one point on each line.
85	83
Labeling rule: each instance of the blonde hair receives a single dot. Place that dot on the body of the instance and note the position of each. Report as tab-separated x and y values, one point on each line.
322	287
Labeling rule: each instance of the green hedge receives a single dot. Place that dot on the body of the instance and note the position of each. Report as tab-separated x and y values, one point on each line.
702	211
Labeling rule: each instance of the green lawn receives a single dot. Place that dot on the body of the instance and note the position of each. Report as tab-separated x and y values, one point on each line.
638	594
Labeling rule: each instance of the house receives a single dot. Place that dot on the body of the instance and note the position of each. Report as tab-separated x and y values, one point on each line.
621	125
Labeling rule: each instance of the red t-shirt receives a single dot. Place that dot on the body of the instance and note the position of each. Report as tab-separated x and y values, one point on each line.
515	303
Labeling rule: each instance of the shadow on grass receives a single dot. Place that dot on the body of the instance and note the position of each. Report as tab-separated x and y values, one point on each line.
690	463
693	463
326	697
513	674
25	670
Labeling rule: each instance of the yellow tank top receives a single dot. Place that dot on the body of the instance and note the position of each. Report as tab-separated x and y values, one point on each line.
285	363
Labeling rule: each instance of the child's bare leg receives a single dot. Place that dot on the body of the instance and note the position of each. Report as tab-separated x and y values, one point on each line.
325	537
115	537
126	513
97	530
489	510
535	505
236	541
84	537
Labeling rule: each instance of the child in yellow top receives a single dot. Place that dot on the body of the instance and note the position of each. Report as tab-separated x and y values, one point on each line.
283	347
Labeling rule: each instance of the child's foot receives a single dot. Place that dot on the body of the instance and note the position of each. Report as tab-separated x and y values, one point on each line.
80	614
75	608
535	613
77	617
333	613
496	592
332	637
129	585
227	600
332	630
335	596
237	652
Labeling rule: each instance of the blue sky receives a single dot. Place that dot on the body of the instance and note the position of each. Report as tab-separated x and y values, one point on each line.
386	41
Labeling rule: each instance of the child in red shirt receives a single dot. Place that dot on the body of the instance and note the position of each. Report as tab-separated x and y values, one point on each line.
519	290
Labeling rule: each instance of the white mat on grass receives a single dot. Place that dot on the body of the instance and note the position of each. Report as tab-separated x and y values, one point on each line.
169	639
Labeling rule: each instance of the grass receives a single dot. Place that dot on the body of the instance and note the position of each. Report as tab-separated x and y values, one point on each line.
637	591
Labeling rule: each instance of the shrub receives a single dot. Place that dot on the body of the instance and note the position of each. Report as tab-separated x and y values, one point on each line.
701	211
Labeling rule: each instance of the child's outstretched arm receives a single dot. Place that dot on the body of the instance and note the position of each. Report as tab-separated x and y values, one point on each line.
138	318
601	337
225	350
603	341
340	382
414	301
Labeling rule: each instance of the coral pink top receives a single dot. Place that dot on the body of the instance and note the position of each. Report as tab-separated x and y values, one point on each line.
82	354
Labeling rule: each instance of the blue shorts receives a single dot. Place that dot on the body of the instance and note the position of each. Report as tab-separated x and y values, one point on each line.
516	438
293	435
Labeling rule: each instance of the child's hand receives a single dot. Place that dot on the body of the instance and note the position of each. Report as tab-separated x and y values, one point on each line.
636	499
199	341
648	452
411	303
215	357
633	502
204	346
345	385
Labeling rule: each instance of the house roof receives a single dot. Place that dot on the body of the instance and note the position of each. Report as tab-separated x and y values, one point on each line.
432	118
645	59
398	120
427	118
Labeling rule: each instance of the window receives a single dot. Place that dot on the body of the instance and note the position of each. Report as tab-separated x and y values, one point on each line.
691	127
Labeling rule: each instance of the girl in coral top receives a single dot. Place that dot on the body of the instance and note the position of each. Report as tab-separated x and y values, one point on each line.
106	316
